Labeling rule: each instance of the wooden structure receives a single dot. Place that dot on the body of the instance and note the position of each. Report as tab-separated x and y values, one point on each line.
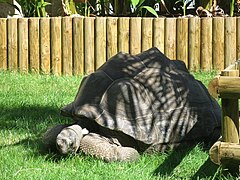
227	87
79	45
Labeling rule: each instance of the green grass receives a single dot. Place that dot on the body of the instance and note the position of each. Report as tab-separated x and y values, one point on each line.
29	104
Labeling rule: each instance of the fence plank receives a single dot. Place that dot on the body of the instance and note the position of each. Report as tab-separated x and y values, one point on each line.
101	43
23	44
170	38
238	38
111	37
147	33
135	35
182	40
3	43
159	33
56	48
230	40
123	34
206	43
34	56
12	44
78	46
89	44
67	45
218	43
45	45
194	44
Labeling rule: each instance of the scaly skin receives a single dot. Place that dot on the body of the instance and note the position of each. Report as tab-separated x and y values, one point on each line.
101	147
68	140
72	138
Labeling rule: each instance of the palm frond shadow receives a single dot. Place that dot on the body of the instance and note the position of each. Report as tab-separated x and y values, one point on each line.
207	170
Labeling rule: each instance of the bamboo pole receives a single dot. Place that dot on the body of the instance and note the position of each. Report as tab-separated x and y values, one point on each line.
159	33
34	56
12	44
194	44
170	38
147	33
206	43
56	48
45	45
238	38
101	41
89	45
218	43
222	151
78	46
112	37
182	40
3	43
230	40
135	35
123	34
23	44
67	46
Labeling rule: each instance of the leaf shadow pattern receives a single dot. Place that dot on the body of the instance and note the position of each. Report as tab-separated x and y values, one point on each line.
207	170
148	97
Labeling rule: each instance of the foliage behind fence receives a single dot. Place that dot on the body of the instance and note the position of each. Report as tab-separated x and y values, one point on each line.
66	45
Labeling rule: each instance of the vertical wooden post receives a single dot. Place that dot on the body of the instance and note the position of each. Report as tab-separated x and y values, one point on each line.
230	40
34	56
135	35
206	43
230	115
238	38
3	43
56	46
23	44
12	44
147	33
111	37
194	44
159	33
182	40
67	45
89	44
101	41
45	45
78	46
170	38
218	43
123	34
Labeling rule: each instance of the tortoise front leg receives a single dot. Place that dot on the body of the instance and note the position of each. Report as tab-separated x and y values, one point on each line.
101	147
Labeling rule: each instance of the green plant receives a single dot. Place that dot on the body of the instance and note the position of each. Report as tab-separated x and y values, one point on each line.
138	6
34	8
184	5
232	5
40	8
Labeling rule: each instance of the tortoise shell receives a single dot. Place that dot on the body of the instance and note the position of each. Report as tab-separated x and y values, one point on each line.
148	97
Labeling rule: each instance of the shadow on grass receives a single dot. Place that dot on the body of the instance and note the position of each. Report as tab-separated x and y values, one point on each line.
207	170
33	120
30	118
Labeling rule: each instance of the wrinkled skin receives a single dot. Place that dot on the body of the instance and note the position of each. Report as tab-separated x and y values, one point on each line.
68	140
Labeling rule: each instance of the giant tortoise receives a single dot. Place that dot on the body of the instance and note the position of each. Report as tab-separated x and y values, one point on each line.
132	104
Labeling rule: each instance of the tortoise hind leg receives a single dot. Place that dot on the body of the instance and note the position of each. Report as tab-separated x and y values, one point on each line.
101	147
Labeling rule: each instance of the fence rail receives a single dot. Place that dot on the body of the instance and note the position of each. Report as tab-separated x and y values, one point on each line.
78	45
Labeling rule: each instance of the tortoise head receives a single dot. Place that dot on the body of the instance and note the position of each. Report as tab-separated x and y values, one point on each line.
68	140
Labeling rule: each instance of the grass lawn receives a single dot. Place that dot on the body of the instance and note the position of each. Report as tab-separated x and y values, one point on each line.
29	104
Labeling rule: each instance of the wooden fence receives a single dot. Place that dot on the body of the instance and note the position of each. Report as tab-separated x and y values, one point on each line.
66	45
227	87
